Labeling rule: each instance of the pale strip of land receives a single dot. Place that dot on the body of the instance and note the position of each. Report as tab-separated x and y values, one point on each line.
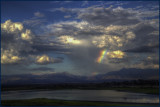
54	102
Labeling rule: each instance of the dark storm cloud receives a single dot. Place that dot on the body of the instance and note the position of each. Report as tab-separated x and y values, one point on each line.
118	61
144	49
143	34
105	17
42	69
73	28
41	48
12	40
150	60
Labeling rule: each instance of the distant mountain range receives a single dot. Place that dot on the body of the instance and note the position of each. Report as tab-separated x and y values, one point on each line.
56	78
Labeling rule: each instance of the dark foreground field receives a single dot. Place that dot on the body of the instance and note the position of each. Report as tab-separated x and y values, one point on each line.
126	87
53	102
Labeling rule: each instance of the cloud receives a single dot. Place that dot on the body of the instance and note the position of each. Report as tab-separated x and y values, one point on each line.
150	62
115	16
144	49
27	35
41	48
11	27
38	14
123	32
116	54
34	22
19	43
69	40
67	16
42	69
108	41
16	29
15	39
104	16
143	65
118	30
85	3
8	57
44	59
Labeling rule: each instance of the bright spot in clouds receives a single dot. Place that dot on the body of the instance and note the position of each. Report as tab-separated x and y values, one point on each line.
69	40
43	59
116	54
26	35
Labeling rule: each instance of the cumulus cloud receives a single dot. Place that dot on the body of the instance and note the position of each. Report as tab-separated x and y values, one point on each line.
19	43
8	57
16	30
44	59
15	39
11	27
26	35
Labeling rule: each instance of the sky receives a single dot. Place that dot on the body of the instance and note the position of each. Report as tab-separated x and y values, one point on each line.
78	37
